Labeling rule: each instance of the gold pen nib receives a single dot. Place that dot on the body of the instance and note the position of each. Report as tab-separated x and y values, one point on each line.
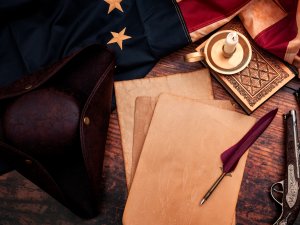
212	188
202	201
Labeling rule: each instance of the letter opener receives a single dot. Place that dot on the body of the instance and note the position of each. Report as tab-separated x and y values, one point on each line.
232	155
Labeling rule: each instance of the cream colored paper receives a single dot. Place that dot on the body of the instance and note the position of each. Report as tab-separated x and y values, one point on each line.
194	85
144	108
179	162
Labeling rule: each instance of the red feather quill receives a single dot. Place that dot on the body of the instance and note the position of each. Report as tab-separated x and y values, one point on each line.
232	155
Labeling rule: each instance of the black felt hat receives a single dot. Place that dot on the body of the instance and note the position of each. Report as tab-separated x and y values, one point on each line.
54	124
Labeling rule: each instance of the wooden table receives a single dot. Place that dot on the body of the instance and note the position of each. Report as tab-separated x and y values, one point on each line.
21	202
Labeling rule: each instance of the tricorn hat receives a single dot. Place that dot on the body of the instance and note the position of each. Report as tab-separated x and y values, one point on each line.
53	126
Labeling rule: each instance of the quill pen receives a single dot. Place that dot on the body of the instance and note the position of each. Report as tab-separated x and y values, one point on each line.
232	155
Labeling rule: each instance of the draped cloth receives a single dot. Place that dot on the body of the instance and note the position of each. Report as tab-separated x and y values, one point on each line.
36	33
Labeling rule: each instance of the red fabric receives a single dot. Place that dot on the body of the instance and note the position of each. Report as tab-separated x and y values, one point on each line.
198	14
288	5
276	38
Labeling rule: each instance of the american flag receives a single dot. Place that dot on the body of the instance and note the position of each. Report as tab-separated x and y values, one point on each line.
37	33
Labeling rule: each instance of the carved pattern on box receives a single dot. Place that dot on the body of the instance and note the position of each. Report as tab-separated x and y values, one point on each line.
258	79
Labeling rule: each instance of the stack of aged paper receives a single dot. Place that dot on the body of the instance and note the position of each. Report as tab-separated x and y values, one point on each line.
173	133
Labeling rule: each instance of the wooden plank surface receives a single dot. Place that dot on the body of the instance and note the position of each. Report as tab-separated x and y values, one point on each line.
23	203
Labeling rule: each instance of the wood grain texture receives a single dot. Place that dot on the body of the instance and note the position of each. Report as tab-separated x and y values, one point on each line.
23	203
